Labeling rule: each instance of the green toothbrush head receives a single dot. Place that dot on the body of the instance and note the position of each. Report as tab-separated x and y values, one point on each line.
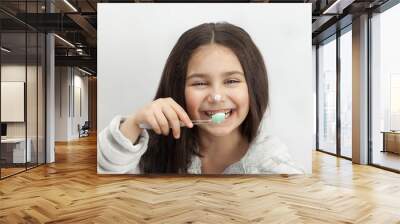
218	118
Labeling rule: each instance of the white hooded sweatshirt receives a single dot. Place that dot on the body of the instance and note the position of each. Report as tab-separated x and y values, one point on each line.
116	154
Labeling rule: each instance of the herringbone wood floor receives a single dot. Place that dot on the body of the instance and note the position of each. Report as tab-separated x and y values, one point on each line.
70	191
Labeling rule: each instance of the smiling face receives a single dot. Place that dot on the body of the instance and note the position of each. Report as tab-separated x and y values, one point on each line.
215	82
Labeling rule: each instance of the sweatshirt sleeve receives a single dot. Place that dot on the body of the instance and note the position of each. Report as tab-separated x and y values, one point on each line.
284	164
116	154
271	156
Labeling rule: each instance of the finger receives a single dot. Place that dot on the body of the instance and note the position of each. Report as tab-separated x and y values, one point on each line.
162	121
154	124
183	116
172	119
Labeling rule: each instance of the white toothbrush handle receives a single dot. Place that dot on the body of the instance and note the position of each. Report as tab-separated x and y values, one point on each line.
195	122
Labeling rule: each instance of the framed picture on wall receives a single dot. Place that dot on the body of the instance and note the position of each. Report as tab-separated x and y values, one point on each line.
12	101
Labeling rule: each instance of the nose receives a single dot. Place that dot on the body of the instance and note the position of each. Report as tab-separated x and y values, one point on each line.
215	98
217	94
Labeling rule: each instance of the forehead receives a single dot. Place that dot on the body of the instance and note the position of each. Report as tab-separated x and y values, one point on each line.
213	59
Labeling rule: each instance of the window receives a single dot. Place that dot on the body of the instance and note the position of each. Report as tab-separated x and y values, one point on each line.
327	97
385	88
346	94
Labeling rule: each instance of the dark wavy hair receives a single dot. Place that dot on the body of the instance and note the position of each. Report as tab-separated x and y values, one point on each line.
165	154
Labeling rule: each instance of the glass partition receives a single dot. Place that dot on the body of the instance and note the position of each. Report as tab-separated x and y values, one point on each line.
41	106
31	100
13	109
22	77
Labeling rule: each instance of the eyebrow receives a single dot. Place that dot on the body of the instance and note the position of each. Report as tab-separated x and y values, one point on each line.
201	75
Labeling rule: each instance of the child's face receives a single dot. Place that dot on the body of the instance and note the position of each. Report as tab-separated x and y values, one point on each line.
215	70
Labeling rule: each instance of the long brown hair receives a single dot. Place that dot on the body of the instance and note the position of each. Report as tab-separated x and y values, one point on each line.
165	154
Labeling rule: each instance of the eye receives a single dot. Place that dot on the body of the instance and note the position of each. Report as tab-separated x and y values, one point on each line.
232	81
199	84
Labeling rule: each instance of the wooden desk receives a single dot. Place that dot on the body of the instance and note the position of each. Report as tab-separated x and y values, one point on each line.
13	150
391	141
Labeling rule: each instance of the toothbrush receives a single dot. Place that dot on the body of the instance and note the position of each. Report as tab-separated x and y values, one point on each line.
215	118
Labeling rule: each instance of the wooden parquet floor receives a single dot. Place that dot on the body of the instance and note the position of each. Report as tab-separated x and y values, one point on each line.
70	191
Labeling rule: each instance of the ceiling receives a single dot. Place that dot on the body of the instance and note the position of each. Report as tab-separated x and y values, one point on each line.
77	22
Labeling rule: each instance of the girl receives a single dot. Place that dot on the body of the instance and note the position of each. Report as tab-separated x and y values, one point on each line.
214	67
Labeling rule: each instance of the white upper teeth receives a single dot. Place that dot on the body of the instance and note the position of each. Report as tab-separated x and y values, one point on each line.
212	113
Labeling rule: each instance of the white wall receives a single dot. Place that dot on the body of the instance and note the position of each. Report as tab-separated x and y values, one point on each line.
134	43
61	103
67	80
80	83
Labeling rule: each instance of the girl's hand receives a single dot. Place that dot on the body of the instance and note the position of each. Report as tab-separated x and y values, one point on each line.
162	115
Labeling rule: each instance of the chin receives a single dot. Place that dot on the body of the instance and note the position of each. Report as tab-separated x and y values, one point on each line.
218	131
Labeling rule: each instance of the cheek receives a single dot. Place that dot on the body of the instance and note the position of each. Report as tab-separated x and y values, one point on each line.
242	97
192	102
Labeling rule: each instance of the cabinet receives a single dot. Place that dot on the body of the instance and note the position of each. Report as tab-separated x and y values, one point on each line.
13	150
391	141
